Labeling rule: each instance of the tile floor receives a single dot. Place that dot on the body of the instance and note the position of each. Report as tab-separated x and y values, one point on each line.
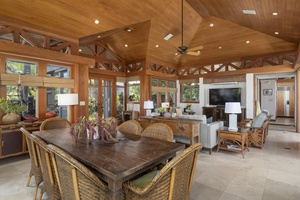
270	173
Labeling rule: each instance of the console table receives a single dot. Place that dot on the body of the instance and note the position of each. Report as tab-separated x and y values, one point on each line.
218	114
189	128
13	141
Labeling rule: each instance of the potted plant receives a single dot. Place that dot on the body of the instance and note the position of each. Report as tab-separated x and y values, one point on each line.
12	111
94	129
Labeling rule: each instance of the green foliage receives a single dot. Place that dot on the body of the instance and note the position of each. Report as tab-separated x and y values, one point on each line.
10	107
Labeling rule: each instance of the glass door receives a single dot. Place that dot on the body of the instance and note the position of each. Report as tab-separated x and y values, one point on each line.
100	97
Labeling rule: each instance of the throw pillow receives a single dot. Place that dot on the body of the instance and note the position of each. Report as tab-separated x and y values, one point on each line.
209	120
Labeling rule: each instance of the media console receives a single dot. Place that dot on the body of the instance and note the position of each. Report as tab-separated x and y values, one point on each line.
218	114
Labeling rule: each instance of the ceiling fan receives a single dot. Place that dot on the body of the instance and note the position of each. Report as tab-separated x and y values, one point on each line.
184	49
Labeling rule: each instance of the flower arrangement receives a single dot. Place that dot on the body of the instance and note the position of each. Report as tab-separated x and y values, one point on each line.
93	129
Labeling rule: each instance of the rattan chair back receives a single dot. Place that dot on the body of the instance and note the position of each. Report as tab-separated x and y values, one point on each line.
130	127
76	181
173	181
49	180
159	131
35	169
55	122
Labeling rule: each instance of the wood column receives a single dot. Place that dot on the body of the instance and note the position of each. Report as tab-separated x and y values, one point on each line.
297	103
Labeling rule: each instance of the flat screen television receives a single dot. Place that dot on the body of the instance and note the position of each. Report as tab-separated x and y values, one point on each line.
219	96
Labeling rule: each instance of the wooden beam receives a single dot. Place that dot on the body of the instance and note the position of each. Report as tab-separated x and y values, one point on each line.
42	54
257	70
199	8
297	60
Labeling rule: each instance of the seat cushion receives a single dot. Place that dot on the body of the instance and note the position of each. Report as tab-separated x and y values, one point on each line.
259	120
144	180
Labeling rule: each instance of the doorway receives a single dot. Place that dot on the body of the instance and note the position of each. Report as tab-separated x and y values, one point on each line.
281	91
101	97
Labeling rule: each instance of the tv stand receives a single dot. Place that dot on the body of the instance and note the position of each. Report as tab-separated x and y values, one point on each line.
218	114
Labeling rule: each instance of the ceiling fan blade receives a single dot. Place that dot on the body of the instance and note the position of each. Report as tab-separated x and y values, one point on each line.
193	53
196	48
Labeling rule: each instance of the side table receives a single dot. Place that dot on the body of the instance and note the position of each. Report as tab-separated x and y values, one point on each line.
233	141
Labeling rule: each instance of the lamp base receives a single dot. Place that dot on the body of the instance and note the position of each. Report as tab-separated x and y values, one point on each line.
148	112
232	122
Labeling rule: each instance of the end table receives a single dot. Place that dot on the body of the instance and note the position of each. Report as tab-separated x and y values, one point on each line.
235	141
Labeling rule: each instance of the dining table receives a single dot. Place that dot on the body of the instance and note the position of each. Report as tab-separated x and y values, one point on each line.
114	163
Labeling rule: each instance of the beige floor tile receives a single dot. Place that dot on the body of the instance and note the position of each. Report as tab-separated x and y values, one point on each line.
275	190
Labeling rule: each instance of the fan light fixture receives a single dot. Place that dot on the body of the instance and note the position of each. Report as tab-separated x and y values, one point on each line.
184	49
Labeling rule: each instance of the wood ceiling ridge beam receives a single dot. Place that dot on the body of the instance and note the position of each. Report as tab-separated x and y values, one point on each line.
199	8
296	64
110	51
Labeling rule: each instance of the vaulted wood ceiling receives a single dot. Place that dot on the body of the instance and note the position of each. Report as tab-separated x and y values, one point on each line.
152	20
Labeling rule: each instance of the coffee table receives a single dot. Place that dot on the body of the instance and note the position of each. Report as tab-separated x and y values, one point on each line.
235	141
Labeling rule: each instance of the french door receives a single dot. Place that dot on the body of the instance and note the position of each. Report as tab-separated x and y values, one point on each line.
101	97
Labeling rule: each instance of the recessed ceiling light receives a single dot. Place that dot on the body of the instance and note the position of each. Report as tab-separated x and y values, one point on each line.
219	47
126	45
274	13
168	36
80	50
156	45
99	36
247	41
276	33
249	12
129	29
211	25
96	21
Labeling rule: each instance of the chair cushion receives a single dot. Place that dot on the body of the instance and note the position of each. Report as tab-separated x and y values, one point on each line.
259	120
144	180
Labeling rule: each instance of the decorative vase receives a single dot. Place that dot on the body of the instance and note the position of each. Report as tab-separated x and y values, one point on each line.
11	118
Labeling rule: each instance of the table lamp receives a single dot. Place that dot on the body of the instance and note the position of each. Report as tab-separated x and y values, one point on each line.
232	108
67	100
148	105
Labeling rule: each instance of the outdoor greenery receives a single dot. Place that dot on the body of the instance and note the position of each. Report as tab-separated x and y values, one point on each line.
190	92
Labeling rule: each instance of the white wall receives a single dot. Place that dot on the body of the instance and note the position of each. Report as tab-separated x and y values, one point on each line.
204	94
268	100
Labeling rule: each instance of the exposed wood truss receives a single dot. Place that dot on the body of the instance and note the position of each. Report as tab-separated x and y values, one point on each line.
135	66
161	68
284	58
105	59
21	36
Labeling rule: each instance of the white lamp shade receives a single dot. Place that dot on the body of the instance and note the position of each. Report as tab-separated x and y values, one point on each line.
233	107
148	105
67	99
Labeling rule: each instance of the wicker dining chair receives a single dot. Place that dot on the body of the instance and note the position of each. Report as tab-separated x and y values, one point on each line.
35	169
173	181
159	131
55	122
49	180
75	180
130	127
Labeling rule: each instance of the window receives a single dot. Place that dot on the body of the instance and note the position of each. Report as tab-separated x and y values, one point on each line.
163	91
58	71
190	92
20	67
120	100
134	91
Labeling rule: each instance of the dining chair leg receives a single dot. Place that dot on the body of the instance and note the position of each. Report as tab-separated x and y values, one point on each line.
29	178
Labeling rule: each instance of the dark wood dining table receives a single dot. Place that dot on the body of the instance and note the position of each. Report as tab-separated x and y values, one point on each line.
114	163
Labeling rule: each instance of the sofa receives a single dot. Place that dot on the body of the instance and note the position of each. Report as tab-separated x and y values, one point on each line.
208	131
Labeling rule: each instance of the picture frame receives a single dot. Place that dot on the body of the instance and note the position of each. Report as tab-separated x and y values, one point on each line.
268	92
